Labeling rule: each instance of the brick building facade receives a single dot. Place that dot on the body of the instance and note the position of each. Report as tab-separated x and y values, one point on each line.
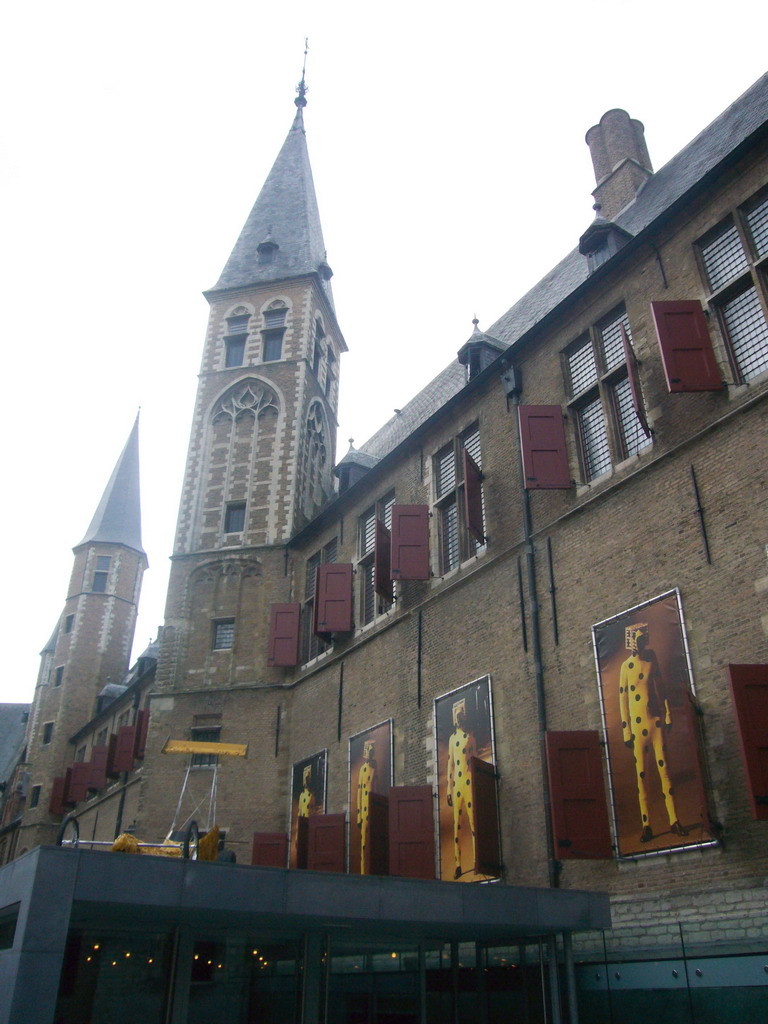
571	517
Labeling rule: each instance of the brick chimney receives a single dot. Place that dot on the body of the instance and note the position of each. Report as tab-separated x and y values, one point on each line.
621	161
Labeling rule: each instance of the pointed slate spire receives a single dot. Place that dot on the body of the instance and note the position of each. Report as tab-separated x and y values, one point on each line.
118	517
282	237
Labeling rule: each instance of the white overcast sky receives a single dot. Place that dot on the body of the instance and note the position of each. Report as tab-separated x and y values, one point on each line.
447	144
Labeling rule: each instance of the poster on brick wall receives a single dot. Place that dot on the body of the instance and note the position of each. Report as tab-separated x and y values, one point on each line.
370	773
307	795
463	729
646	690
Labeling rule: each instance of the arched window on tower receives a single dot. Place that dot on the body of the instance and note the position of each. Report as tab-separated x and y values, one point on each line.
273	332
315	466
236	337
235	501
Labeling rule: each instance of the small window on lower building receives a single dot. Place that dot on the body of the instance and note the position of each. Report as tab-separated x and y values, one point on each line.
224	635
234	517
69	623
80	755
58	675
34	796
101	738
205	734
47	733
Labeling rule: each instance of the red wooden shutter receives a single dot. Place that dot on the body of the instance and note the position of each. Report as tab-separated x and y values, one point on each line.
334	598
686	347
327	840
577	795
56	804
112	771
97	778
485	803
542	439
382	562
749	686
686	732
284	629
67	797
126	742
411	832
302	842
142	728
634	382
410	542
270	849
473	496
377	846
78	782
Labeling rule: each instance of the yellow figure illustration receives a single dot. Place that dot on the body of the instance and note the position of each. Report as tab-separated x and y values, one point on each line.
306	796
365	780
461	749
645	717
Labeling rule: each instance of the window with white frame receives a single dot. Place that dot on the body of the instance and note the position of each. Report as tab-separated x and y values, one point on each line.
457	543
101	574
371	603
608	428
734	260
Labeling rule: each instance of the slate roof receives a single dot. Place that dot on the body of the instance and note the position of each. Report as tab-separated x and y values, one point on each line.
668	185
286	214
118	517
13	725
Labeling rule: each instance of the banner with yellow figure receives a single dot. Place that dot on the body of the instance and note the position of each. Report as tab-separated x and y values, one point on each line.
463	730
651	729
370	774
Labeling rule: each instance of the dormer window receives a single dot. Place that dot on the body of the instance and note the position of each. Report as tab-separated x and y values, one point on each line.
267	250
272	335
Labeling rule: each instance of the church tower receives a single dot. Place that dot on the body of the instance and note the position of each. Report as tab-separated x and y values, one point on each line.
263	437
91	644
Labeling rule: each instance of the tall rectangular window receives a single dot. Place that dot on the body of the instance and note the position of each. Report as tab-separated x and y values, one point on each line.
272	335
607	426
457	542
235	339
101	575
58	675
69	623
371	603
34	796
234	517
734	265
311	644
47	733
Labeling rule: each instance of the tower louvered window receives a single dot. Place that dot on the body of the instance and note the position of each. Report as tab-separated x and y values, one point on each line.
733	263
458	534
608	427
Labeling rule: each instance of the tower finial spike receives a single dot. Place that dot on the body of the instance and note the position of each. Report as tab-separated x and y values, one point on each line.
301	88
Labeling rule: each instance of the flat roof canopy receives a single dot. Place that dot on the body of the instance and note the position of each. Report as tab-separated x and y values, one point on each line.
119	889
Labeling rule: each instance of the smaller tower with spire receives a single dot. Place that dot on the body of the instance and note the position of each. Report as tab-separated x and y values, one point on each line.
91	642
